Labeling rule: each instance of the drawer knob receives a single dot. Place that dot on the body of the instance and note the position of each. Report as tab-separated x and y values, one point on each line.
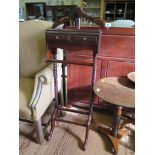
84	38
57	37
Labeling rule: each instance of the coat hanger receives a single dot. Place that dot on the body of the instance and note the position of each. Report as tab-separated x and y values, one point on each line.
77	14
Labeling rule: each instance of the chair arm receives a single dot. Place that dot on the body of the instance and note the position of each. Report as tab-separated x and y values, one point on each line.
43	92
45	75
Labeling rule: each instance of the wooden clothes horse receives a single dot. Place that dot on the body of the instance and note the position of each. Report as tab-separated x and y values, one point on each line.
87	40
78	13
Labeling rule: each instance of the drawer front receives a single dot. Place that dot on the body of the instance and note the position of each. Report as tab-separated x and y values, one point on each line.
83	39
57	38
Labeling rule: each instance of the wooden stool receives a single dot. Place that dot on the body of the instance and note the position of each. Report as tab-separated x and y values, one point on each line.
119	91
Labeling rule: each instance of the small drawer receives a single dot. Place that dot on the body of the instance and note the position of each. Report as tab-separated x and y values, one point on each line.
57	37
83	39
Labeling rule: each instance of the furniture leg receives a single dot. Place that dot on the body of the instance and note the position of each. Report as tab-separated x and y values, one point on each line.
55	79
52	125
39	131
116	133
87	133
56	95
86	138
116	121
115	128
63	39
91	104
64	79
127	121
60	113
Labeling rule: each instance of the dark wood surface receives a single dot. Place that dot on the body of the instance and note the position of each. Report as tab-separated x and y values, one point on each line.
55	12
116	90
76	15
72	39
116	57
79	89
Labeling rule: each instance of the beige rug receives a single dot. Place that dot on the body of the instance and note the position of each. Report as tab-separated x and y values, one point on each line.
68	139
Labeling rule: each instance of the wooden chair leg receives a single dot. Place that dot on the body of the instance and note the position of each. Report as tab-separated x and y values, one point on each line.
39	132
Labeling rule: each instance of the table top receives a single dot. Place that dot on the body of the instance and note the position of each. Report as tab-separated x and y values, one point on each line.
116	90
131	76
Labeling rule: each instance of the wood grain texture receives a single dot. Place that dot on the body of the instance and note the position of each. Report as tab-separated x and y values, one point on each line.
79	87
118	46
116	57
116	90
119	68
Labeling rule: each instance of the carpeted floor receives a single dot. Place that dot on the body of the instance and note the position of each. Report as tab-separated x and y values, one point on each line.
68	139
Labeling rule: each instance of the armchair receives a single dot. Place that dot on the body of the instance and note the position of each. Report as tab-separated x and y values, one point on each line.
36	82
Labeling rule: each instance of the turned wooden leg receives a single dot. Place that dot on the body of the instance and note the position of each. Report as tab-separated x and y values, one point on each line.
39	131
56	95
116	133
115	127
116	120
60	113
64	81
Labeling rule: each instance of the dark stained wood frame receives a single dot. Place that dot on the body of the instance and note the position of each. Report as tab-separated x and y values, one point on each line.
109	55
78	13
52	37
59	107
52	44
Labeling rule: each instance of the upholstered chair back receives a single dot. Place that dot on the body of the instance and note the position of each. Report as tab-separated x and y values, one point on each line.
32	47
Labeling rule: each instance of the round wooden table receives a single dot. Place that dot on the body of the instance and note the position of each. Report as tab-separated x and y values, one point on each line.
131	76
121	92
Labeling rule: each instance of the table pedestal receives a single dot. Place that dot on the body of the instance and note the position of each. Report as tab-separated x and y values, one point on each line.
119	91
116	133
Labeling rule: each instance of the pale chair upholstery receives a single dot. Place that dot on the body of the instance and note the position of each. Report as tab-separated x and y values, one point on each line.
36	83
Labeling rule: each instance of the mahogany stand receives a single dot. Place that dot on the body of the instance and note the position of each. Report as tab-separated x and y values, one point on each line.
87	40
73	39
61	108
